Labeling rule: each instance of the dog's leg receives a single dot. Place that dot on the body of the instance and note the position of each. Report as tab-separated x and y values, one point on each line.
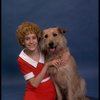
82	89
69	95
59	95
79	90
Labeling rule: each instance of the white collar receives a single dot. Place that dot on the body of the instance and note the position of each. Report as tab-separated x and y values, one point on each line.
30	60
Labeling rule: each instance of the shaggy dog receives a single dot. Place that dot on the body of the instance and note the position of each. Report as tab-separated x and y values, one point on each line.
53	42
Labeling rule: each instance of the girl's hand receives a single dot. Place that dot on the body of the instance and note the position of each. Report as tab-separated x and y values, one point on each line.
59	62
65	57
56	63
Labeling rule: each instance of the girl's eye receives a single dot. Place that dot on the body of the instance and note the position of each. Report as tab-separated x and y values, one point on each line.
27	38
46	36
34	37
54	34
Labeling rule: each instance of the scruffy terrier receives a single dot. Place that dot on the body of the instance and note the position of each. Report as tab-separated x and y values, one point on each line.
71	85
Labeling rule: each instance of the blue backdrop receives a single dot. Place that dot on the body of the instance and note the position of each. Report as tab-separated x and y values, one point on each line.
80	17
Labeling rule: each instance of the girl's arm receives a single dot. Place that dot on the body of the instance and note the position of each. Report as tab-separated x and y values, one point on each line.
35	81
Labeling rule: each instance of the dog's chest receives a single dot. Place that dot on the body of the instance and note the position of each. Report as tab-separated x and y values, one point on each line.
61	76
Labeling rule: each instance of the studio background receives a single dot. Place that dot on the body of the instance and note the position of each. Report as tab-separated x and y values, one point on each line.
80	17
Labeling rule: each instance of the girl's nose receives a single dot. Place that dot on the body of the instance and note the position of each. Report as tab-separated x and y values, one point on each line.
31	40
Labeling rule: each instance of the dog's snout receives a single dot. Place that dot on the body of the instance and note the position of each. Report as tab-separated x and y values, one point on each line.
51	44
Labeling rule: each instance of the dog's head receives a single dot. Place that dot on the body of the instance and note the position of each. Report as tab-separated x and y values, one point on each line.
52	39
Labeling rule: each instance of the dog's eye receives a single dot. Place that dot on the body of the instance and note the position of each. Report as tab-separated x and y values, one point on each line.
54	34
46	36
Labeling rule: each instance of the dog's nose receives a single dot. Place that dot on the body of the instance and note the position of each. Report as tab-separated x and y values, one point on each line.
51	44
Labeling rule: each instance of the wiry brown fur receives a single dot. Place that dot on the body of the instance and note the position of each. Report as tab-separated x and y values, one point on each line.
67	78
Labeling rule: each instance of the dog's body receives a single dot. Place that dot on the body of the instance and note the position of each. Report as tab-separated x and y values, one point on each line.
67	78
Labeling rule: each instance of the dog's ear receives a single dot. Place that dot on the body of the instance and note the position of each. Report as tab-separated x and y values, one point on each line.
61	30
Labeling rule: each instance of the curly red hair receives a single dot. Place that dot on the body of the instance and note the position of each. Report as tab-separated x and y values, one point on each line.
24	28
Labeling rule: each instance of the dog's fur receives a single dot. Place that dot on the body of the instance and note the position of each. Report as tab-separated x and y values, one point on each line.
53	42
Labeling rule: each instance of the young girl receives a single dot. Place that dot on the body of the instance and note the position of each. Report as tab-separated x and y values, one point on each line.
31	63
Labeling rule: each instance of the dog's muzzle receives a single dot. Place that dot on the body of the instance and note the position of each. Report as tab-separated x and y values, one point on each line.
52	47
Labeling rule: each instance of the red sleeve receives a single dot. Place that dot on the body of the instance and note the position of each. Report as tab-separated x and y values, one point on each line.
23	66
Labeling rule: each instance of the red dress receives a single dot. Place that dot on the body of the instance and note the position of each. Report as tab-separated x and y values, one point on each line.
31	68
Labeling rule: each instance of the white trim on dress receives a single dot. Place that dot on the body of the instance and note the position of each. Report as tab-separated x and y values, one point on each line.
30	60
29	75
46	79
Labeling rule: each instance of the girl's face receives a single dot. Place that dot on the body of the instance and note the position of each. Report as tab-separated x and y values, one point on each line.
30	41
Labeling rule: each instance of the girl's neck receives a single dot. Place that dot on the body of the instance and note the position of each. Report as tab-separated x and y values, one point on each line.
35	55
